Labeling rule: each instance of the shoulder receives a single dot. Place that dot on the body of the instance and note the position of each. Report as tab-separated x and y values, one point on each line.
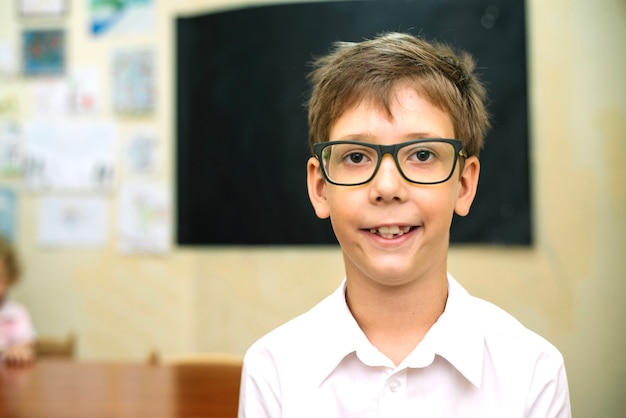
503	329
518	364
296	334
12	308
304	344
510	348
515	355
282	361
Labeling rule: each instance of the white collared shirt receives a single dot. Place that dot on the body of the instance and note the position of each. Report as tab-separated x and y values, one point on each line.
475	361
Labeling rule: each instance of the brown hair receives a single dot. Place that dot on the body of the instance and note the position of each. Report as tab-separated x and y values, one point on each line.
9	257
369	70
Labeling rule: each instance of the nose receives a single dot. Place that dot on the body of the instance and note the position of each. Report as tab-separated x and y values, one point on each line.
388	185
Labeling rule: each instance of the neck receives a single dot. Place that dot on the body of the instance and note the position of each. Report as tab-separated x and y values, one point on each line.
396	318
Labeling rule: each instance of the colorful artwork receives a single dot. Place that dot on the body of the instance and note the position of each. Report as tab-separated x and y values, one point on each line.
121	16
140	152
144	218
43	52
134	81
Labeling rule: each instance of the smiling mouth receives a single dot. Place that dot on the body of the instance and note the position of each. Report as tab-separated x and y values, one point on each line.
390	232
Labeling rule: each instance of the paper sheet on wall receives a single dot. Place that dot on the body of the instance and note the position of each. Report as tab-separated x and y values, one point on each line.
44	52
8	59
121	17
76	221
140	152
50	97
78	93
9	100
144	218
43	7
8	213
134	81
83	90
70	155
10	148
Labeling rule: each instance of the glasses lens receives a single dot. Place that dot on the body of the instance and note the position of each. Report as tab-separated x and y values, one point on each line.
349	163
427	162
421	161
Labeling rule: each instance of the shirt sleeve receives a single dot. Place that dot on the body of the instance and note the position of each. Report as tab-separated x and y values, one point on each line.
259	395
549	395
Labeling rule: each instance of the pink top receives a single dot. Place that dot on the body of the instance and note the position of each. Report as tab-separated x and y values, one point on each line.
15	325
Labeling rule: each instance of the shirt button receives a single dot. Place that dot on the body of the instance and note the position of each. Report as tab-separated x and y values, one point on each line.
394	385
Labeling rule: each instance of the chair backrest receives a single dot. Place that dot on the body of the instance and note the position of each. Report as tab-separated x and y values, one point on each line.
218	376
208	358
47	346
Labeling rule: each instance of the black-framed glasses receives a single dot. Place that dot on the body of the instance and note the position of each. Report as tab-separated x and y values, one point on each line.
421	161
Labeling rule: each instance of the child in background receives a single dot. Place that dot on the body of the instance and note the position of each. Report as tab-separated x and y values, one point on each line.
396	125
17	335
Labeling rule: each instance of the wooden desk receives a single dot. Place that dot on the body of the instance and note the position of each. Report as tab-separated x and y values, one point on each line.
66	389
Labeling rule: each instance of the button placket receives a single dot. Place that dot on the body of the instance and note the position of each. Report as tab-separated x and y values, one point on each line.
394	385
392	399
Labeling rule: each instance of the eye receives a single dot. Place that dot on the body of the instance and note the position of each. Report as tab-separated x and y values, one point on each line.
355	157
423	155
351	155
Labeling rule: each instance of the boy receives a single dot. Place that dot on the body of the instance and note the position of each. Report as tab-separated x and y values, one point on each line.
396	125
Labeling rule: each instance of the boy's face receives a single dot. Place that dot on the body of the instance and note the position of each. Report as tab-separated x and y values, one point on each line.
422	214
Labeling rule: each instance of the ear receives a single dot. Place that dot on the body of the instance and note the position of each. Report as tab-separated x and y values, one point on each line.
316	185
468	184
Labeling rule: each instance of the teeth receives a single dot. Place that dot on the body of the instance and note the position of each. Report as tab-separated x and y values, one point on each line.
390	231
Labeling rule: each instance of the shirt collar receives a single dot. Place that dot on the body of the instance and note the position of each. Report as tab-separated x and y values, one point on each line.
346	335
455	336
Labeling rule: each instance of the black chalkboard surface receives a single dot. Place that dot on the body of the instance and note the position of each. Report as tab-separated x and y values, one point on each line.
241	135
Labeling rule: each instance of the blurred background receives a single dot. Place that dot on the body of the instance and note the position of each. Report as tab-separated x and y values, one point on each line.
91	207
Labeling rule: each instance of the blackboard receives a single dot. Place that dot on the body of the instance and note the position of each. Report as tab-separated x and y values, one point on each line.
241	132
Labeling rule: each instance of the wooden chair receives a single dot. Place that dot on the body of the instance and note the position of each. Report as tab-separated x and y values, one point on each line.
218	377
46	346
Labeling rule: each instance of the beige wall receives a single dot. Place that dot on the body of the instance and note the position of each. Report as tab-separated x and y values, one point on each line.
569	287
